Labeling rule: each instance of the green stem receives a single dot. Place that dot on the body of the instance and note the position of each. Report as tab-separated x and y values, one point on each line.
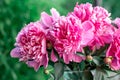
97	2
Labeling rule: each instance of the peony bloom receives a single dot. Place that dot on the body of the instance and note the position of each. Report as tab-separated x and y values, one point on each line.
102	36
117	22
67	35
31	46
100	16
103	29
114	52
97	17
83	11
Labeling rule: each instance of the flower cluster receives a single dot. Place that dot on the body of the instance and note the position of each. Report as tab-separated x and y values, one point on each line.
114	49
31	46
62	37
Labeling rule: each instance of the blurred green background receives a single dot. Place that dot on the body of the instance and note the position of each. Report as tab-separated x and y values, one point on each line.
14	14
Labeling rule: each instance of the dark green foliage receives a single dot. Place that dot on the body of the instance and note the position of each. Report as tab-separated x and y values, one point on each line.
113	7
58	70
14	14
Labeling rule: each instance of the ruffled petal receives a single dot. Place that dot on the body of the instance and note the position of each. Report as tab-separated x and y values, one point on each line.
55	14
53	57
46	19
33	64
15	53
77	58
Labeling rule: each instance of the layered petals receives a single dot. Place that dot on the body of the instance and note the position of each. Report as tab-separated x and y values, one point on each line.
31	46
83	11
114	51
67	35
48	21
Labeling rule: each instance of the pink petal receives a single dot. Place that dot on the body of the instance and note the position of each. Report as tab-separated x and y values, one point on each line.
44	60
55	14
117	55
66	58
88	33
114	65
43	49
46	19
33	64
87	25
15	53
111	50
86	38
77	58
106	38
53	57
117	21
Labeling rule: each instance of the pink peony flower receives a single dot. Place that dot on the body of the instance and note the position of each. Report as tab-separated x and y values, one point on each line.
83	11
31	46
67	35
51	23
102	36
98	18
114	52
103	29
117	22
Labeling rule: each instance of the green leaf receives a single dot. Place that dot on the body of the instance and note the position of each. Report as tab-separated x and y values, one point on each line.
87	75
82	65
99	74
113	75
116	77
70	75
59	70
97	60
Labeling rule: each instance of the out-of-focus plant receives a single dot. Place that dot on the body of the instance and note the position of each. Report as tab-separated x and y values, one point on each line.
16	13
82	45
13	15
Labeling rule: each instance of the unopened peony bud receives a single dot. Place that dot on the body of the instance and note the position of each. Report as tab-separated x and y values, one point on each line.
89	58
46	71
108	60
